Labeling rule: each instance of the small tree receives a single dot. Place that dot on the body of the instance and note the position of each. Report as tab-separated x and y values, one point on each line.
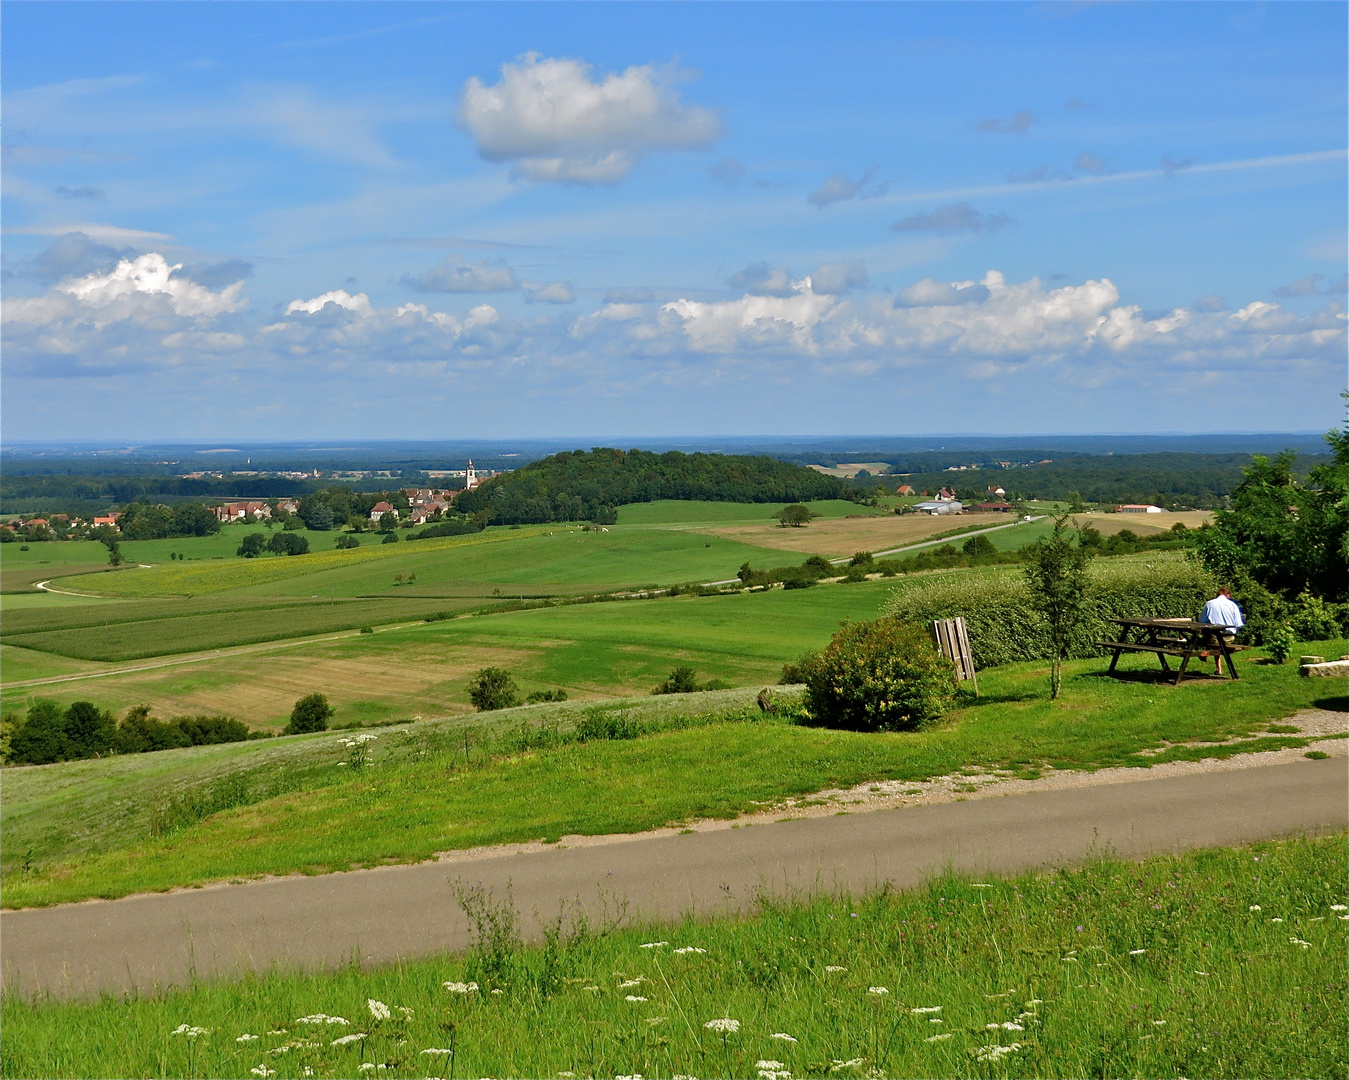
876	676
795	515
1057	576
682	680
494	689
311	713
976	546
252	545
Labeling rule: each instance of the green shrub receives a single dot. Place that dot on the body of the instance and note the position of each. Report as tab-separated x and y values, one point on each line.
311	713
682	680
539	696
1281	643
1004	628
494	688
1315	620
879	676
345	541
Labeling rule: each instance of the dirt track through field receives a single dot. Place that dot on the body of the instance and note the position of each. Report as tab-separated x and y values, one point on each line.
404	912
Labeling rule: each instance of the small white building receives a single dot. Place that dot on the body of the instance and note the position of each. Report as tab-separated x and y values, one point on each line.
943	506
1139	508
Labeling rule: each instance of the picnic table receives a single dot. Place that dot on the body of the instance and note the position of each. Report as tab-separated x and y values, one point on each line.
1184	638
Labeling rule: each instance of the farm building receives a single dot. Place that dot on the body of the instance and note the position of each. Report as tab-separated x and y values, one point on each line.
904	489
1138	508
939	506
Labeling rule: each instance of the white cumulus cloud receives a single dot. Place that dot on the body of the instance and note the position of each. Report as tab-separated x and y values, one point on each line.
549	292
556	123
840	277
360	303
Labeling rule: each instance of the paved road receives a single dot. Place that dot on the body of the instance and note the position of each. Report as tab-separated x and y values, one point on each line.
409	911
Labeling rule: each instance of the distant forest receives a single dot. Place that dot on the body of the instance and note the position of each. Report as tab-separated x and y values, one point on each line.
583	486
1173	480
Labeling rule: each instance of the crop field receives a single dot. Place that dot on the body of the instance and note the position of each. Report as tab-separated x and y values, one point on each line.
114	632
1145	524
535	559
589	650
1217	963
879	532
678	512
426	791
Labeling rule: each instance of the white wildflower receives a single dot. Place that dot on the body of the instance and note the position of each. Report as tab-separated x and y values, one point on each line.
378	1009
834	968
1159	1022
592	989
1276	920
460	988
980	885
689	949
245	1037
1339	907
877	990
1006	1025
322	1018
995	1053
681	1076
368	1066
938	1038
278	1031
1034	1001
306	1071
851	1063
634	997
405	1011
769	1064
1201	972
498	991
437	1050
355	1036
926	1009
190	1032
1299	941
782	1036
1137	952
935	1020
627	984
263	1071
724	1024
634	1076
1254	907
654	1020
653	945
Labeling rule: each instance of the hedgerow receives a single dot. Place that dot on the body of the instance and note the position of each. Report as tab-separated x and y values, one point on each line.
1004	628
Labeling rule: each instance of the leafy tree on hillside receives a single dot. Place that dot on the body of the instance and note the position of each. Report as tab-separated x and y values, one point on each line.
1286	536
493	688
979	545
252	546
346	540
194	519
89	730
40	738
1057	576
288	543
795	515
311	713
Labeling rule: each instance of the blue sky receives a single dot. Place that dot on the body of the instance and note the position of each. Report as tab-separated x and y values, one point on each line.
459	220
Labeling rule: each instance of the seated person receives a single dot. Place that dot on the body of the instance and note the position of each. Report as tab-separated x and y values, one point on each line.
1223	611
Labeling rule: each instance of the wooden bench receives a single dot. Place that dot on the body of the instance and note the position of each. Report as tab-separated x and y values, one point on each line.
1183	638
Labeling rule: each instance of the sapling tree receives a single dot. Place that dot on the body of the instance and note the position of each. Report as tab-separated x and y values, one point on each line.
1057	577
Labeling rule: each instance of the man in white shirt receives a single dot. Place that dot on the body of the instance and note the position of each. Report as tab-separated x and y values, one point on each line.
1223	611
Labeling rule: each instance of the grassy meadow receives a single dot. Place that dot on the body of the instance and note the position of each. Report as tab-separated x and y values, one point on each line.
523	775
1215	963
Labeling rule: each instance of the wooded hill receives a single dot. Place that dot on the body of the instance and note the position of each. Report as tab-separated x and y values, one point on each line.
580	486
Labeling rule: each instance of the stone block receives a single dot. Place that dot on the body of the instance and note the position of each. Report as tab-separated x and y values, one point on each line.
1336	669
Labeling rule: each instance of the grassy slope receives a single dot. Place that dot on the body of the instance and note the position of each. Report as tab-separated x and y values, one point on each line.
408	809
679	512
1217	990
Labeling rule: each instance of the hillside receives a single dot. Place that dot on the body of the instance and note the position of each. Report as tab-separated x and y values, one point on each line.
582	486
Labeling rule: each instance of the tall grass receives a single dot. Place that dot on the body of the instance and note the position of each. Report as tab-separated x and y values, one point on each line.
1004	627
1219	963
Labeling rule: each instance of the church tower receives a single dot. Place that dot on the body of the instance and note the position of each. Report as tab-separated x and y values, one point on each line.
470	477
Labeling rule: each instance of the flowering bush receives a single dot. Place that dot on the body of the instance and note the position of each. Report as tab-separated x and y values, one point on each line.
879	676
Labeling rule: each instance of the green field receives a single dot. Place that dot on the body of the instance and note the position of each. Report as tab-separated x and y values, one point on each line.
423	794
1216	963
696	512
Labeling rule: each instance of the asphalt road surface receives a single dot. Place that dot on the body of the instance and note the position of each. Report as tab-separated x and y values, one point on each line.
145	942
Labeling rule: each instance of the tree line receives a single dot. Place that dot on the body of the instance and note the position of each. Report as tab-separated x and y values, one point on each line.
588	486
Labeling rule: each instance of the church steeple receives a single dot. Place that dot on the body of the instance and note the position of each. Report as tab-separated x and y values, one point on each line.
470	477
